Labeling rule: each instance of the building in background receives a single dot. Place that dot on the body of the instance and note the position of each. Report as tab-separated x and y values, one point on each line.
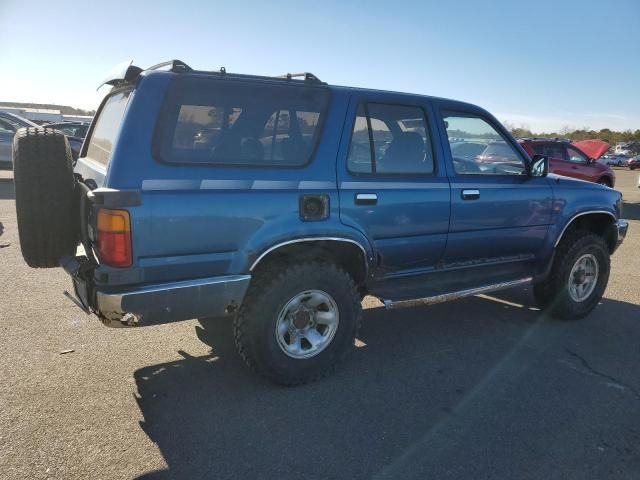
45	115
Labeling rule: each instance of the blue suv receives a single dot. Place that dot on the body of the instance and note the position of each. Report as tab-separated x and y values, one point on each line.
282	202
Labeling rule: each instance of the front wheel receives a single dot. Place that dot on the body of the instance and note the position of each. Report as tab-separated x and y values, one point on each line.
578	277
297	325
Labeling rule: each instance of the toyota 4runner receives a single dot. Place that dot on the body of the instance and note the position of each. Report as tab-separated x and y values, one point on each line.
282	202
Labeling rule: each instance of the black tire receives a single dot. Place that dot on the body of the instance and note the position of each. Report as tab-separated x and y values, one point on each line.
605	181
255	325
45	196
553	292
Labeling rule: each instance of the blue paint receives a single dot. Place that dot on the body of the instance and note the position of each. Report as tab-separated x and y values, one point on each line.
208	221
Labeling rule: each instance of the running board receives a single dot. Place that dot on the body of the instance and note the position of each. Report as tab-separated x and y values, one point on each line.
390	304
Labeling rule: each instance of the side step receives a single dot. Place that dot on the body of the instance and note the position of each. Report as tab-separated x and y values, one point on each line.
390	304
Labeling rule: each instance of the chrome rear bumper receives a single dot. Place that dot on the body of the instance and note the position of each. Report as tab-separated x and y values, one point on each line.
130	306
169	302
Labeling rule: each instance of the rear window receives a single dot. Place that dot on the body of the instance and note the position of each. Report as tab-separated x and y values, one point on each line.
208	121
104	133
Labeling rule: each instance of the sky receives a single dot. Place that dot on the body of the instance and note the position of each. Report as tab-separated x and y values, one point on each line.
544	64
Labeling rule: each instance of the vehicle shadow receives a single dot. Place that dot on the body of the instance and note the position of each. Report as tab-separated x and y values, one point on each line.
631	211
416	373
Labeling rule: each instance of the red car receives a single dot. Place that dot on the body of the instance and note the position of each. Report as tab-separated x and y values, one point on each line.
577	159
634	162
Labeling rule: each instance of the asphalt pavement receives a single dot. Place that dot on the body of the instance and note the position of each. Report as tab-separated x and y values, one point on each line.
482	388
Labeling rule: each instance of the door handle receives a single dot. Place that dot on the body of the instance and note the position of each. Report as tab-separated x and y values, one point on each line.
366	198
472	194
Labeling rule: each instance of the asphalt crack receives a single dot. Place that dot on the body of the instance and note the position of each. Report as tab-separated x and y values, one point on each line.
613	382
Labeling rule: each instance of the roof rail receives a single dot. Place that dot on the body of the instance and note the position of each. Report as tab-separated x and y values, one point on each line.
176	66
308	76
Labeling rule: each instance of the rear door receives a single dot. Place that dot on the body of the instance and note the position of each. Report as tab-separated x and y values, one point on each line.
392	181
499	214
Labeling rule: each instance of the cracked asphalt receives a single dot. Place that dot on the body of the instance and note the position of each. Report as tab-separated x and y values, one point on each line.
485	387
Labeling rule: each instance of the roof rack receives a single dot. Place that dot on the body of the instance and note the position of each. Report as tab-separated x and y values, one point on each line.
308	76
176	66
128	73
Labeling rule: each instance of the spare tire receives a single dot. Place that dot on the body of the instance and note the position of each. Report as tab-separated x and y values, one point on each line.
45	196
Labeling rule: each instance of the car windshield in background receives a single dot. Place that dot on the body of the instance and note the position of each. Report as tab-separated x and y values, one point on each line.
107	127
216	122
71	130
467	150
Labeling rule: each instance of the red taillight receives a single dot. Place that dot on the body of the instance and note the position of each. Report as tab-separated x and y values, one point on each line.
114	237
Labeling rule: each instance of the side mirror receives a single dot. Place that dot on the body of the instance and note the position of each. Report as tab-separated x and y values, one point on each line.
539	166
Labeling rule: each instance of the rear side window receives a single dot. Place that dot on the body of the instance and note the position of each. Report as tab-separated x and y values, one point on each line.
552	150
215	122
106	128
390	139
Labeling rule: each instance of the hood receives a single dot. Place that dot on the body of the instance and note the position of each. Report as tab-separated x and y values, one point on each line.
593	148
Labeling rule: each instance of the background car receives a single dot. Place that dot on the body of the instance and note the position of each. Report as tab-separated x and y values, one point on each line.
75	132
577	160
634	162
617	159
71	129
466	150
9	123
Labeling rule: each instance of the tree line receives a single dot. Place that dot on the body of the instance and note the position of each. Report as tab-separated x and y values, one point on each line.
610	136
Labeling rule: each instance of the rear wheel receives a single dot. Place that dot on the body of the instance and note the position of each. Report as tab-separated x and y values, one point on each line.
45	196
578	277
605	181
297	325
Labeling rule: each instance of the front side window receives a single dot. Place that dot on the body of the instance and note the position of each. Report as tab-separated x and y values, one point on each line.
207	121
477	148
576	156
390	139
6	127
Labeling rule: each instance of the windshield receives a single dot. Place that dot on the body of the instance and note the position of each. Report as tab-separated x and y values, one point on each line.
107	126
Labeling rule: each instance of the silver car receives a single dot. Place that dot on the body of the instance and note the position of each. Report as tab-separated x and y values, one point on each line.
9	123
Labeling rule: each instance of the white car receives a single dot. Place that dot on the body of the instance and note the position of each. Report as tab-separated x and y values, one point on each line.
617	159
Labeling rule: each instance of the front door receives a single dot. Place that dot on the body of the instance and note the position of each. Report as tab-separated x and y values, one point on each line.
499	214
581	166
393	184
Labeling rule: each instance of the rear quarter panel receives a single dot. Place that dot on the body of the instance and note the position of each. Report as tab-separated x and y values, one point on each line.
197	221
